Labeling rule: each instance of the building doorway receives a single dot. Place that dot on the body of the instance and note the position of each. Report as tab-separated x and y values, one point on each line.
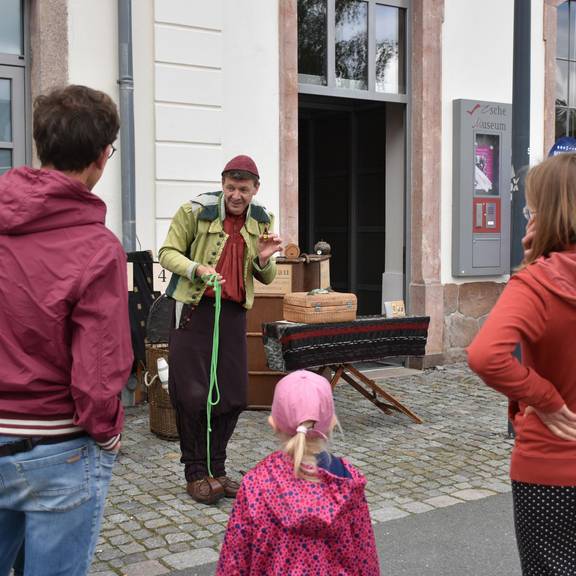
351	193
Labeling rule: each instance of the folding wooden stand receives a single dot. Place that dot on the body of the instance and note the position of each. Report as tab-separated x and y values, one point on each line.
369	389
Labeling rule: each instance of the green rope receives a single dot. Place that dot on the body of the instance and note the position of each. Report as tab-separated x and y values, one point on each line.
213	390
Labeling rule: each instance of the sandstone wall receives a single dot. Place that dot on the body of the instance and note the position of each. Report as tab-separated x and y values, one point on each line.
466	306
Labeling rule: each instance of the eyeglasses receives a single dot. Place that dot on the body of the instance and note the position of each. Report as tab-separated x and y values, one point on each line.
528	214
112	150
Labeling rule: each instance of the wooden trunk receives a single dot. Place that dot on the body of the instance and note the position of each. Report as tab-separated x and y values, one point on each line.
261	380
293	276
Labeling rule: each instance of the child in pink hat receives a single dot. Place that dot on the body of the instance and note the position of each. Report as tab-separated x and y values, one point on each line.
301	509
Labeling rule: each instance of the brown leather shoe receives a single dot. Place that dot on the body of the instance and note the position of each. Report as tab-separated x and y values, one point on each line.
206	491
230	486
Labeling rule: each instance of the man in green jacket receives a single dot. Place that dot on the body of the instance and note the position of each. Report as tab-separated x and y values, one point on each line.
226	235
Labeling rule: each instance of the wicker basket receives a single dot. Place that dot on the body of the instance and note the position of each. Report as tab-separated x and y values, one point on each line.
319	307
162	413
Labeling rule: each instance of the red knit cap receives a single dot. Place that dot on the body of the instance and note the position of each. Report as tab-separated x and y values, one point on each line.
244	163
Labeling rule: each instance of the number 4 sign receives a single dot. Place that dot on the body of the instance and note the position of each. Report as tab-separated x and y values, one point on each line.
161	278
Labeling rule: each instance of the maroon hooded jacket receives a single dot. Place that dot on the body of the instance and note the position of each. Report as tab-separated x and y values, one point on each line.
65	348
538	310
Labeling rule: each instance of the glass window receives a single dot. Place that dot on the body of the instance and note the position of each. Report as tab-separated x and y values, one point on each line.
561	122
486	164
11	32
5	111
570	130
562	82
312	41
352	44
572	85
390	49
5	160
565	68
571	39
563	31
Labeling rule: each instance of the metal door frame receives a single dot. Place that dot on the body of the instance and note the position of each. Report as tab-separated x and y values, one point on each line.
17	77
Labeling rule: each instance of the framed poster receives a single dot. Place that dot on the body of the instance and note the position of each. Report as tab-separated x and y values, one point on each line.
486	164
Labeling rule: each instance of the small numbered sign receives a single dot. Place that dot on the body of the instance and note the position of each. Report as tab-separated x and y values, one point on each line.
161	278
395	309
282	284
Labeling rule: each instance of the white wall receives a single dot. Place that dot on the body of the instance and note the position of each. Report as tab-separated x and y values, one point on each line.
216	96
144	132
93	61
206	88
476	64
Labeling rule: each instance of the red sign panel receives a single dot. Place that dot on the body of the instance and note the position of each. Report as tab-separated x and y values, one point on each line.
486	216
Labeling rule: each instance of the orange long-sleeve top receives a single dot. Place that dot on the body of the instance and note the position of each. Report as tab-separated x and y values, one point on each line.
537	310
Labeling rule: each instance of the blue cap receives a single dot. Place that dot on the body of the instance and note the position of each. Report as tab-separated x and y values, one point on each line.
564	144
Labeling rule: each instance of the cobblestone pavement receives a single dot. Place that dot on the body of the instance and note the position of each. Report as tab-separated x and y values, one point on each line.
460	453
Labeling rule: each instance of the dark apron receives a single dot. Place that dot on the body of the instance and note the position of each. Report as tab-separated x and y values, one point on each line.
191	352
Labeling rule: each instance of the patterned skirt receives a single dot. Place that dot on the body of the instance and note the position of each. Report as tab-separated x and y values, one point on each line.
545	521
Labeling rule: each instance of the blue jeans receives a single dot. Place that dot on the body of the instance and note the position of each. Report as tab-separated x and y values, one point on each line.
52	498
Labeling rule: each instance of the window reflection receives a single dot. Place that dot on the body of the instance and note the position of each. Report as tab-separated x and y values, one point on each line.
5	160
571	117
5	111
390	55
572	85
367	49
312	41
352	44
561	125
562	31
562	82
571	39
11	33
566	69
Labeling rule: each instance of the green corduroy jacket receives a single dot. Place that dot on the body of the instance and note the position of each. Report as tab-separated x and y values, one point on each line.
196	236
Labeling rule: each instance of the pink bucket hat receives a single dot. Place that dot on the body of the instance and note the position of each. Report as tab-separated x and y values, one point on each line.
302	396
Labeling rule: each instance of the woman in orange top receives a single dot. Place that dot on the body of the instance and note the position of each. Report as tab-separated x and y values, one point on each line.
538	311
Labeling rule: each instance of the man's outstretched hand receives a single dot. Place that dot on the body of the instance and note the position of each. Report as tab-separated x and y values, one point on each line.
268	244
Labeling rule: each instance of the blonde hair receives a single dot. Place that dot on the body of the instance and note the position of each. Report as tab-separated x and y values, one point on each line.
303	448
551	194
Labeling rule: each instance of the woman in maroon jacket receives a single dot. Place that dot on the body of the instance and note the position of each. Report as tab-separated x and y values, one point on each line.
538	310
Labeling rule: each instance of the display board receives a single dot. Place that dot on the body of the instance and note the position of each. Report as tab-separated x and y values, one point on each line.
482	164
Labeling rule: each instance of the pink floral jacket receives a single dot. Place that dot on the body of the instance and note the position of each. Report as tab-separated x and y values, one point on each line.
285	525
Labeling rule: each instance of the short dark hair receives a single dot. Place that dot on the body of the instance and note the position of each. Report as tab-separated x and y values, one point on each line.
241	175
73	126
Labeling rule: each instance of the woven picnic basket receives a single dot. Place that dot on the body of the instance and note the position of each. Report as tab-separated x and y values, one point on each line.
162	413
319	306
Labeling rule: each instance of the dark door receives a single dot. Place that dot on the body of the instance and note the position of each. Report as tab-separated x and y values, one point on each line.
342	187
